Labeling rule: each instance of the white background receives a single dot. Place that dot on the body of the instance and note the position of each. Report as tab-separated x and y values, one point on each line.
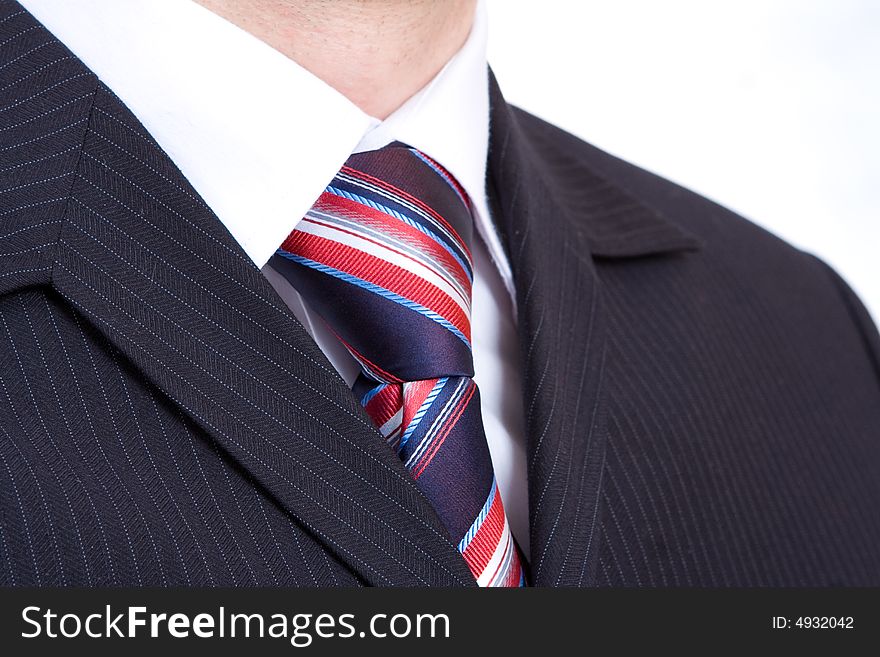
770	107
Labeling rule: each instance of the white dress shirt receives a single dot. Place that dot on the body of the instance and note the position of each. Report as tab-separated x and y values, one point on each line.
259	138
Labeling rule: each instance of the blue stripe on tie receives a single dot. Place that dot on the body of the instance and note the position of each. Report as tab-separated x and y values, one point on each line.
437	424
469	536
436	390
363	200
372	393
376	289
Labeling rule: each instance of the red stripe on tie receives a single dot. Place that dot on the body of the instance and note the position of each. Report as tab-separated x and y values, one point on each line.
387	225
479	551
411	199
437	442
440	273
414	395
380	272
384	404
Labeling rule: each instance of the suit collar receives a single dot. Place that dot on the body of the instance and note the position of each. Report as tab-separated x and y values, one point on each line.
608	220
623	226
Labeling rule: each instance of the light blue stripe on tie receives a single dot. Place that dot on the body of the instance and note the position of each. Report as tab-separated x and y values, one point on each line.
372	393
436	390
376	289
357	198
475	527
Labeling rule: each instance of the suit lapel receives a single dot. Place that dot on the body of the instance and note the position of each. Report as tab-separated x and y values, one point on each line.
555	215
144	260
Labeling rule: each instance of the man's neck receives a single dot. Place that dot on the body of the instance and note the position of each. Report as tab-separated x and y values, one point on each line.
377	53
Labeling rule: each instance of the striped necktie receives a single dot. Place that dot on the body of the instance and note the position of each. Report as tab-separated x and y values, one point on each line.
384	257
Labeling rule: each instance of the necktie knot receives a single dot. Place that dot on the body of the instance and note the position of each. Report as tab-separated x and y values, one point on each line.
393	231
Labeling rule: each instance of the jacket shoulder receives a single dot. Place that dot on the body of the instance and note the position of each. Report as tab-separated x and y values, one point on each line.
563	155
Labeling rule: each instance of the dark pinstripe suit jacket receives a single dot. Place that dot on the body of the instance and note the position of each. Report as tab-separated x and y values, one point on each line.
703	400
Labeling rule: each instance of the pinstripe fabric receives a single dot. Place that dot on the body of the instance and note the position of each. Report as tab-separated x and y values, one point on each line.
702	400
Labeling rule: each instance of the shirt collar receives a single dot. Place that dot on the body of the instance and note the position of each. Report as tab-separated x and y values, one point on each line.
257	135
